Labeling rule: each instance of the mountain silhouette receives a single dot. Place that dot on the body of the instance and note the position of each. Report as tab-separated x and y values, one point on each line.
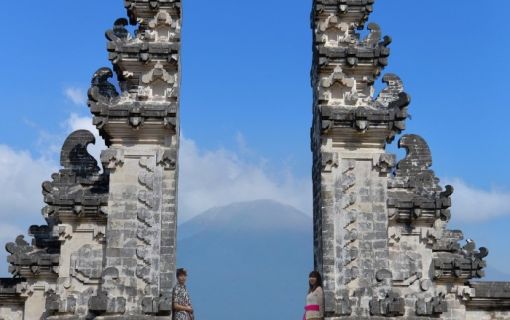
493	274
247	261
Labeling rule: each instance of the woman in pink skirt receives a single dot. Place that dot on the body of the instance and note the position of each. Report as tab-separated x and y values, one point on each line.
314	309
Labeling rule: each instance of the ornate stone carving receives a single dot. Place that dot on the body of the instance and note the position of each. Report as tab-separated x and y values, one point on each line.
431	307
101	88
87	263
78	188
464	263
344	305
384	162
140	124
381	237
28	261
78	192
391	306
380	230
345	94
119	31
112	158
415	193
167	159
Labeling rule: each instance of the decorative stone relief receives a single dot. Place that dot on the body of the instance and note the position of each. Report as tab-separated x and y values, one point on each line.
380	230
391	306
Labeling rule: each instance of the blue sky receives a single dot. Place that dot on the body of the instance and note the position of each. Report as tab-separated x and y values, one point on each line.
246	100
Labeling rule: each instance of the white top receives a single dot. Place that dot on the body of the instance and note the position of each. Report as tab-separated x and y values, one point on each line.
315	298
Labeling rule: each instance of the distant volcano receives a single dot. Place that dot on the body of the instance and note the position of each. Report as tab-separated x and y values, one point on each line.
248	261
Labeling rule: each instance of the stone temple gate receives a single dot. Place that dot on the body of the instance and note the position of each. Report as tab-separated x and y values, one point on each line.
381	237
108	249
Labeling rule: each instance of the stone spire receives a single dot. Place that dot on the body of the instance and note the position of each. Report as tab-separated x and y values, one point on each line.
109	246
140	124
381	237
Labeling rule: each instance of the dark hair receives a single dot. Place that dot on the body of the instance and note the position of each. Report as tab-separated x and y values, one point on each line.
316	275
181	272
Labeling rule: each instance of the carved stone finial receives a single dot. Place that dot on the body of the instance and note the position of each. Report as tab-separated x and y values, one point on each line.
74	155
418	156
101	87
374	36
19	246
394	87
78	187
119	28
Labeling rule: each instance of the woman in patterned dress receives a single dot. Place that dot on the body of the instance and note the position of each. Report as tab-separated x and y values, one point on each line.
314	309
183	309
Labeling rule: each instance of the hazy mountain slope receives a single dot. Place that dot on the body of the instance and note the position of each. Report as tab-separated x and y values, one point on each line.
248	261
492	274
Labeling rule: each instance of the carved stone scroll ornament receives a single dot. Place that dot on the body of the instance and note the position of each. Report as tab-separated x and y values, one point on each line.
452	262
26	260
100	87
414	192
390	306
78	187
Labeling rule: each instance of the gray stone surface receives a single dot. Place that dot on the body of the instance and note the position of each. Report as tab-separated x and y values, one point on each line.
381	237
140	125
108	249
60	270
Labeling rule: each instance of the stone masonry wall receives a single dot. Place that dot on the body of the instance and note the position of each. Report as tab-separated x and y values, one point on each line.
141	126
381	237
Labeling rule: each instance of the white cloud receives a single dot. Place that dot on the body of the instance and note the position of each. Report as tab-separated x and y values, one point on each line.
471	204
21	199
8	233
21	176
76	95
210	178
